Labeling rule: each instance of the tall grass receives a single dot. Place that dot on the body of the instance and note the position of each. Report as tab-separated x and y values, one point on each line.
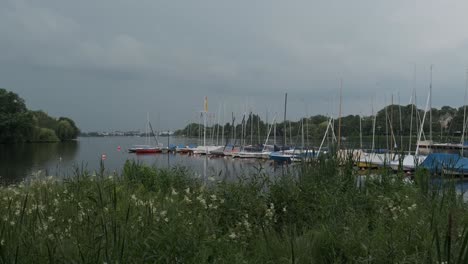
315	215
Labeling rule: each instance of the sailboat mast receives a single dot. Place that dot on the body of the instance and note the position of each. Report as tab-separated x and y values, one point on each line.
285	104
430	105
401	123
391	124
267	124
147	129
258	128
204	125
307	126
339	115
360	131
251	128
464	115
413	103
224	116
302	128
274	133
386	123
373	125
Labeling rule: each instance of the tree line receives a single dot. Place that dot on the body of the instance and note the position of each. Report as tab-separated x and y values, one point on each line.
19	124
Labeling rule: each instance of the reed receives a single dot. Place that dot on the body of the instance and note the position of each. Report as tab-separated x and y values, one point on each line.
315	214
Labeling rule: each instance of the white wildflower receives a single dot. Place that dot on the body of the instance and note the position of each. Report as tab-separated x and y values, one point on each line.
232	235
174	192
187	191
166	220
246	224
186	199
134	197
284	209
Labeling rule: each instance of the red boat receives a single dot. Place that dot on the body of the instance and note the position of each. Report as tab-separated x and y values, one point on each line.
144	149
148	150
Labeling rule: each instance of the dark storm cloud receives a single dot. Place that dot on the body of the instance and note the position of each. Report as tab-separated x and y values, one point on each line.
107	63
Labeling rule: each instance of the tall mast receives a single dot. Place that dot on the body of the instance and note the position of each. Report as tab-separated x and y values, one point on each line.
412	102
391	124
233	129
285	104
147	129
217	126
307	126
274	132
267	124
360	131
430	106
386	122
464	114
374	116
401	123
339	116
302	128
224	116
258	128
251	128
204	124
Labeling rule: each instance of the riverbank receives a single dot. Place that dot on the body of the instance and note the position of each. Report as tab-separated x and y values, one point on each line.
171	215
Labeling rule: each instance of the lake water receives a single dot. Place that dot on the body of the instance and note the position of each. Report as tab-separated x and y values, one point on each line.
20	161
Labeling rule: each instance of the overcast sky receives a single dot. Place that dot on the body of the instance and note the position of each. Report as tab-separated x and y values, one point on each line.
107	63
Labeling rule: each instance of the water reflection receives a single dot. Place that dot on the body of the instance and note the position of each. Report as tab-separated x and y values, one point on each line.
20	160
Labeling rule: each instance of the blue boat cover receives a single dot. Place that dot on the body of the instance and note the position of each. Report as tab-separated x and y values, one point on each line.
462	165
436	162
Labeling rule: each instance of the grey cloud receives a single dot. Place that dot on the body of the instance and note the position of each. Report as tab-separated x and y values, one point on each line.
118	59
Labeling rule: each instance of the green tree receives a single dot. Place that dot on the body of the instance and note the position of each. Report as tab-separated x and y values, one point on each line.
75	130
16	122
65	130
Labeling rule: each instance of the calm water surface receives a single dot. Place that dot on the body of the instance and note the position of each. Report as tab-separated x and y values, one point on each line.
20	161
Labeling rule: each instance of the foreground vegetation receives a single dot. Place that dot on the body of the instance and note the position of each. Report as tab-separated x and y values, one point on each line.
315	215
18	124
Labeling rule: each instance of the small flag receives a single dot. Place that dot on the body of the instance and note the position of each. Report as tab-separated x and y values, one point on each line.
206	104
119	148
103	157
